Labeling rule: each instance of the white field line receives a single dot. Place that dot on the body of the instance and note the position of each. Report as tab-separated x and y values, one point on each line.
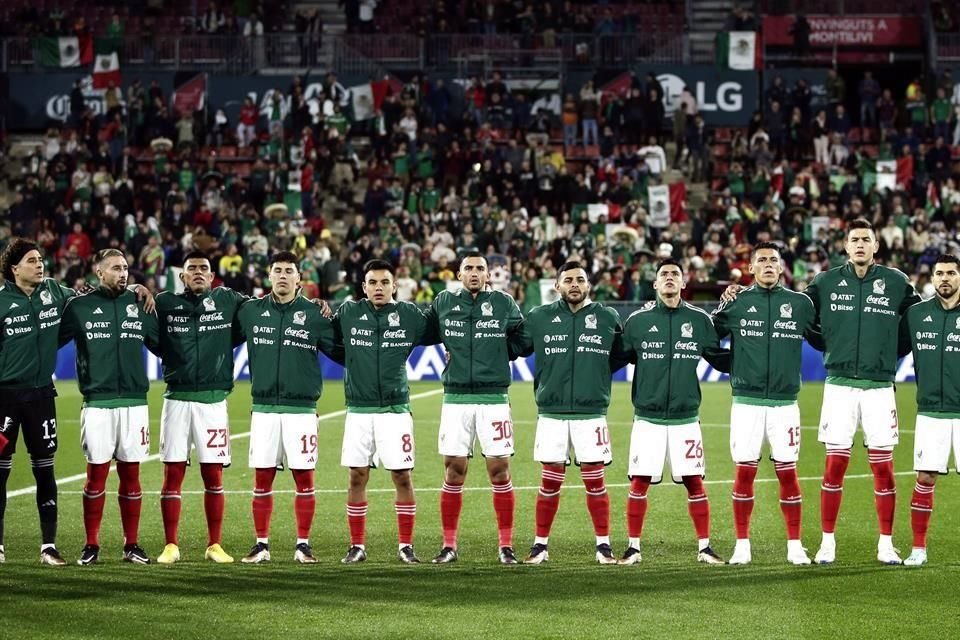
156	456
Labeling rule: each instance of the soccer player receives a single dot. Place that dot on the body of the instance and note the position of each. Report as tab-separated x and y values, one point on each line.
196	345
377	334
110	328
766	325
934	327
475	325
666	339
576	342
30	307
860	306
284	331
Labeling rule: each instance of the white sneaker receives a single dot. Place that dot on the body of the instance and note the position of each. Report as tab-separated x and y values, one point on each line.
888	555
917	558
796	554
827	554
741	553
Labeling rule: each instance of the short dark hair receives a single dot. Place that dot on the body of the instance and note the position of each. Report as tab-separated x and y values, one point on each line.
285	256
569	266
669	262
764	245
378	265
103	254
14	253
196	255
471	254
947	258
861	223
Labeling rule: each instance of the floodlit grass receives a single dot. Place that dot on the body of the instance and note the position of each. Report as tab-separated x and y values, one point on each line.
668	595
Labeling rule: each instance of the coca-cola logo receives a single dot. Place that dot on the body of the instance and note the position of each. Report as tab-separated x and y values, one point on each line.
488	324
594	339
399	334
303	334
882	301
787	325
686	346
131	325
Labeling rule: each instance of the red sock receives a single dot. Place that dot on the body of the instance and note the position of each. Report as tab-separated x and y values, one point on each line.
170	498
94	497
697	505
831	491
791	504
548	499
305	502
406	515
213	500
263	500
884	488
746	473
357	521
451	502
504	504
637	505
598	500
921	508
131	500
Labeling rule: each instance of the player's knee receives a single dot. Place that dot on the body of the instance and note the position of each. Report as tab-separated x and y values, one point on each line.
455	470
500	472
358	477
402	479
924	477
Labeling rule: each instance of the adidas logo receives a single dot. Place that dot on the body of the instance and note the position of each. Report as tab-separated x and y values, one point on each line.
98	311
51	445
179	307
456	308
364	317
556	319
14	305
842	283
265	314
222	454
408	459
752	310
49	503
654	329
928	319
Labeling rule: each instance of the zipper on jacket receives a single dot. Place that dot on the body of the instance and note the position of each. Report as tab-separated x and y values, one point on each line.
573	359
196	340
376	315
943	333
473	337
666	409
766	393
36	328
116	338
283	313
856	368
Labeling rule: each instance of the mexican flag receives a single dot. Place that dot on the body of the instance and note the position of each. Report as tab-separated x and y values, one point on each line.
106	70
666	204
69	51
365	99
738	50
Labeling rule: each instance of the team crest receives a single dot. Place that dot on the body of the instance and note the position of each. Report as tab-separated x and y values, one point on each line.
686	330
46	297
958	323
590	321
133	311
299	317
209	304
879	286
394	319
786	310
486	309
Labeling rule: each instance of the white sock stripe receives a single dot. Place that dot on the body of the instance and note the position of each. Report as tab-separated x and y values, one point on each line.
92	496
921	509
751	465
505	488
548	494
262	494
700	499
592	474
923	488
357	512
840	453
218	490
6	464
406	512
794	501
171	496
824	487
452	488
889	492
743	498
42	464
304	494
601	492
780	466
636	496
132	496
550	475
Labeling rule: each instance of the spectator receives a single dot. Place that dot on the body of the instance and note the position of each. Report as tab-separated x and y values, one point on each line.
212	21
589	106
869	92
247	126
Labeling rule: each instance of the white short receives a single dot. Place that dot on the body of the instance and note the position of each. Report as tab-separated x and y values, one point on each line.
751	424
845	407
651	444
461	424
932	442
122	434
283	439
589	440
201	424
378	439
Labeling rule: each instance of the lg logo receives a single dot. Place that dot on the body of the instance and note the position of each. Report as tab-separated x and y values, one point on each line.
727	97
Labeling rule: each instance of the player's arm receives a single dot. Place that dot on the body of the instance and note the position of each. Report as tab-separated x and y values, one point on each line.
721	318
520	342
811	328
144	297
619	357
813	292
718	357
68	325
151	331
904	342
431	330
910	298
514	323
327	340
336	325
239	329
629	352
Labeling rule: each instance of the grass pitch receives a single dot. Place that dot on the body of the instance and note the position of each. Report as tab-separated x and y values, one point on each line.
668	595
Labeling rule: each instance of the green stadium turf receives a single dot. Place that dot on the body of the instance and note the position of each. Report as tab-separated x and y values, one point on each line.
668	595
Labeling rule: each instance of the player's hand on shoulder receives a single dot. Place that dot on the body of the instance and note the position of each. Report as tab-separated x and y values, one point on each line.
145	296
731	292
324	306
